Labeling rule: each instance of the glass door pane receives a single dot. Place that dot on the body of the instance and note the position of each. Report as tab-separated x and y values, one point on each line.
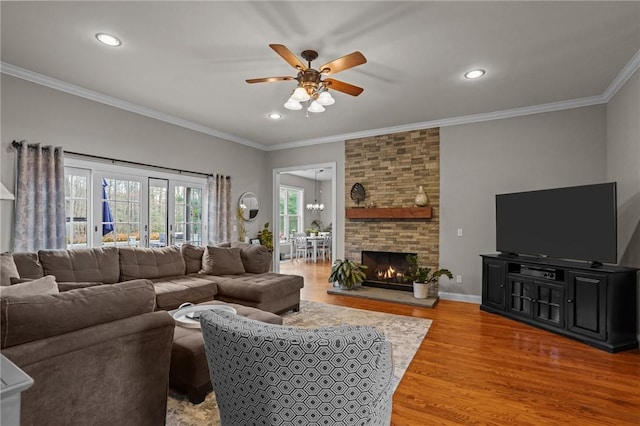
186	223
76	194
120	217
158	212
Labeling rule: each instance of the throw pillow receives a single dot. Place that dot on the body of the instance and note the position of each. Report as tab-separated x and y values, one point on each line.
44	285
256	259
222	261
192	257
8	269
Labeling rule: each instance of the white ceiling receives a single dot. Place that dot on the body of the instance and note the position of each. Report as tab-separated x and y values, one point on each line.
186	62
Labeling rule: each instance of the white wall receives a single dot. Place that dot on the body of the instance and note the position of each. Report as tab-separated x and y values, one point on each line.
39	114
623	166
479	160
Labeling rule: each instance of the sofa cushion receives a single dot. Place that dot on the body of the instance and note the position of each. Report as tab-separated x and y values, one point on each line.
192	257
98	264
28	318
222	261
172	292
28	265
256	259
44	285
8	269
138	262
258	287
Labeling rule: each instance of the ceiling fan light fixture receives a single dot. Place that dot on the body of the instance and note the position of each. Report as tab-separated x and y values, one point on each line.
300	95
293	105
315	107
325	99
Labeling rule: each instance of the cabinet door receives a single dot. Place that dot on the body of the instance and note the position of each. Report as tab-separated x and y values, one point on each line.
586	304
493	288
520	297
548	303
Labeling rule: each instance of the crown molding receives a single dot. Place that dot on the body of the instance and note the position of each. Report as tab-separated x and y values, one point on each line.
453	121
629	69
82	92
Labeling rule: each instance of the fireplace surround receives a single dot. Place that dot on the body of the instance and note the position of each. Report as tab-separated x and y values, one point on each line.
386	269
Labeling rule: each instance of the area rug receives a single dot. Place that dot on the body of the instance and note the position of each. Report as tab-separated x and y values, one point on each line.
404	333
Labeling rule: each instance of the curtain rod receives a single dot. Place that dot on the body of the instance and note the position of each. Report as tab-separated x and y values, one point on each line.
15	144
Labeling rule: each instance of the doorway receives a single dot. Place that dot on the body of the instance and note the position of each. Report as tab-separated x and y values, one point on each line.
315	184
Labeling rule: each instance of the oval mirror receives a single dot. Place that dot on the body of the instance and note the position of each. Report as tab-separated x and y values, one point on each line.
249	204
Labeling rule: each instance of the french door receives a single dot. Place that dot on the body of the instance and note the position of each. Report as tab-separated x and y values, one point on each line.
115	208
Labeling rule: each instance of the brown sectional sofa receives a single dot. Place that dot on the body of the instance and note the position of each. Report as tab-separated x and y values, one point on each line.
105	339
177	273
98	355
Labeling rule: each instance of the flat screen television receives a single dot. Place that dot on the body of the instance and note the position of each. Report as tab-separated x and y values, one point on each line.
577	222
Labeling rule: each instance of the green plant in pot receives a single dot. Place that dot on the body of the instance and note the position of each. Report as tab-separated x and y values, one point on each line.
347	273
266	237
425	281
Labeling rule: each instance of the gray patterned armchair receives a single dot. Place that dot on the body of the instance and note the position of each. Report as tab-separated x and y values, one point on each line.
265	374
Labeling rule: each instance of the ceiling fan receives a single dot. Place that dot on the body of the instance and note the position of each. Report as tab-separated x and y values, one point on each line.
311	86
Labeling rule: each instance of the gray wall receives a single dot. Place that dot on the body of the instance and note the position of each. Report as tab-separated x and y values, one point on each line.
309	187
317	154
623	166
479	160
40	114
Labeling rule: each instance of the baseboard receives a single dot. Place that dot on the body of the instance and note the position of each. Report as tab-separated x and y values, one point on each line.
459	297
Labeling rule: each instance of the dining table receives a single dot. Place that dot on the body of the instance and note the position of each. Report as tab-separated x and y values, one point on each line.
314	246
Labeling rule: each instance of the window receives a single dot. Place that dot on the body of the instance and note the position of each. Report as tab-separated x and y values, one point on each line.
109	205
188	214
76	189
290	210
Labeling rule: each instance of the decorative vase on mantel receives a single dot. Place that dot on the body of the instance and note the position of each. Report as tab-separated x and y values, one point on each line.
421	198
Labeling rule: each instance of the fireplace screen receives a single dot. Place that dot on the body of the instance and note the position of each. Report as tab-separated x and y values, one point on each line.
386	269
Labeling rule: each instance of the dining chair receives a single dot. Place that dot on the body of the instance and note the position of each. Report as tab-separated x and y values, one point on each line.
302	248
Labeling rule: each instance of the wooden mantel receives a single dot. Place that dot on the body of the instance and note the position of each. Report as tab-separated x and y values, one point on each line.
390	213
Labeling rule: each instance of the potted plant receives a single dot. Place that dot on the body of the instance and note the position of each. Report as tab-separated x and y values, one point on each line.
347	273
266	237
425	282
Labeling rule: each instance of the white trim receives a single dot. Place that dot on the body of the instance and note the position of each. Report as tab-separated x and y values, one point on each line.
454	121
62	86
276	204
459	297
631	67
628	70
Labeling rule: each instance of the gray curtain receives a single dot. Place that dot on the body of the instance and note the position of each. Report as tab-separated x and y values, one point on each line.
39	210
220	210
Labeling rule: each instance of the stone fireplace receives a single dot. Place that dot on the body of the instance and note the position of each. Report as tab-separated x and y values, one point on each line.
386	269
391	168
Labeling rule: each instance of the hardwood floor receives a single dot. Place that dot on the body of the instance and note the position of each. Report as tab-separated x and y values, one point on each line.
478	368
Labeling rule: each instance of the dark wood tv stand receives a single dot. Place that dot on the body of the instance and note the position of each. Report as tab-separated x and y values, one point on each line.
594	305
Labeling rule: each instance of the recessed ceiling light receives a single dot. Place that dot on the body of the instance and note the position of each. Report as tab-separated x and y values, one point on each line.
474	74
108	39
275	116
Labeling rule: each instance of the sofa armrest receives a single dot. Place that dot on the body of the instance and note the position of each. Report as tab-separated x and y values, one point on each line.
111	373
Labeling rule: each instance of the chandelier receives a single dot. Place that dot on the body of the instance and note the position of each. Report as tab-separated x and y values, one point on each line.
315	207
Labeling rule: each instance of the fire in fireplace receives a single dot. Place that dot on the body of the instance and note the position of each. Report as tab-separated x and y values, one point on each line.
386	269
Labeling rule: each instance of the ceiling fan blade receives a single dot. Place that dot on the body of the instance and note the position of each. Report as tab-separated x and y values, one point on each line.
286	54
269	79
347	61
343	87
